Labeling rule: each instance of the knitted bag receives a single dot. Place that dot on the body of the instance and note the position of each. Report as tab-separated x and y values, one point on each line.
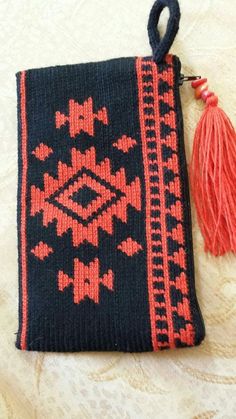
104	228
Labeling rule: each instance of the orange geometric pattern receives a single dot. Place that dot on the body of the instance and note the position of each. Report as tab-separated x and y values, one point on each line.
112	197
81	117
125	143
86	281
104	195
42	250
166	269
42	152
130	247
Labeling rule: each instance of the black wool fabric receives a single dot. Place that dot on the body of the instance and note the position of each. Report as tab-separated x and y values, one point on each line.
105	246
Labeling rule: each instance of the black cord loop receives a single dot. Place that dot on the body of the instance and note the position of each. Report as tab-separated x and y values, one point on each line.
160	47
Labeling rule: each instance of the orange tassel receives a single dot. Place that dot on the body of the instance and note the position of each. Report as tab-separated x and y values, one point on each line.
213	174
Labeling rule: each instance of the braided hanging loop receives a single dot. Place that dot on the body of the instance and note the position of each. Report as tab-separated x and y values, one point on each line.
161	47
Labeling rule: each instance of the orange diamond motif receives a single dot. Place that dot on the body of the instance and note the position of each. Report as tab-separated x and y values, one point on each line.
130	247
125	143
103	198
109	196
42	250
42	151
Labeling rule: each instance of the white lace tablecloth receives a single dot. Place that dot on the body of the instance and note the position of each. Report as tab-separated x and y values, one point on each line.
193	383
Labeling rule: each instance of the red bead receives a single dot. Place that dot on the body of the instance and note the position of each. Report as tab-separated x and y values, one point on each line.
205	94
197	83
199	90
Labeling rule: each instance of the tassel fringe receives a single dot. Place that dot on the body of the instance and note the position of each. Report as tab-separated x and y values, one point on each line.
213	178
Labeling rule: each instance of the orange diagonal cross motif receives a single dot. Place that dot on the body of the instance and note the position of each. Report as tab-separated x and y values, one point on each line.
81	118
86	281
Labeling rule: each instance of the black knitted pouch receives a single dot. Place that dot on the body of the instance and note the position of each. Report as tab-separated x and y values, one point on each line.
104	230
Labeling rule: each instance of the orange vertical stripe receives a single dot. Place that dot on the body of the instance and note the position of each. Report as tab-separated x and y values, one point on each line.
163	211
148	207
155	331
23	211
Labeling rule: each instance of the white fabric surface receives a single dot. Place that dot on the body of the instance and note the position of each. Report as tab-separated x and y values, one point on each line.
195	383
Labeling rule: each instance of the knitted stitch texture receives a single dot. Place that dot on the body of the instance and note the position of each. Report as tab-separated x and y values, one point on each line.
104	230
